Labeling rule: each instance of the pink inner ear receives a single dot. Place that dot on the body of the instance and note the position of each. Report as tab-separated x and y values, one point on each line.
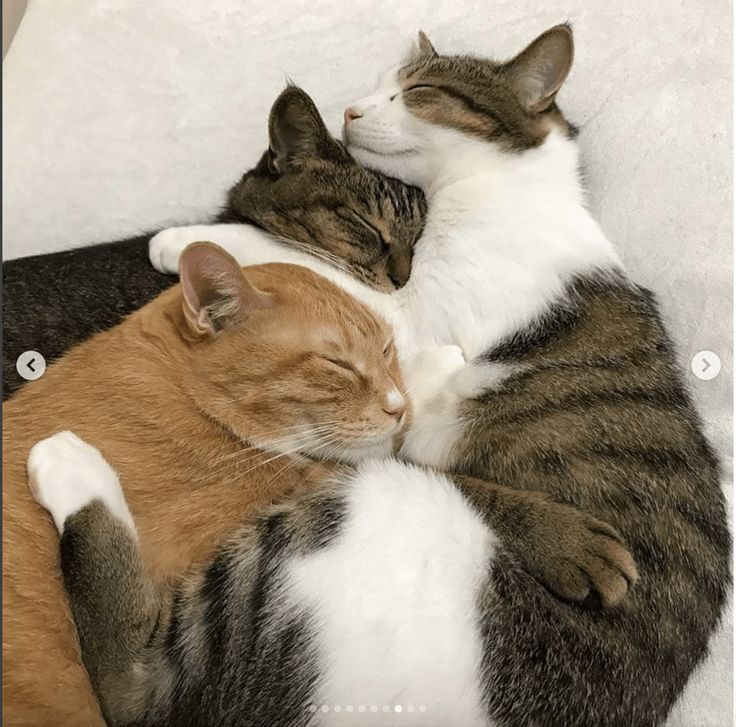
210	276
204	323
201	267
190	295
542	67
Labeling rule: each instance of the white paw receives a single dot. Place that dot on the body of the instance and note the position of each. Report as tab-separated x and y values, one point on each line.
429	374
65	474
166	247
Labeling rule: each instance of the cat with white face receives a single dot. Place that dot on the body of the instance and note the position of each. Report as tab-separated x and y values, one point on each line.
420	592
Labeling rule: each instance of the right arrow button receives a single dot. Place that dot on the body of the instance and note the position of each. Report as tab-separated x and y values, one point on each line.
706	365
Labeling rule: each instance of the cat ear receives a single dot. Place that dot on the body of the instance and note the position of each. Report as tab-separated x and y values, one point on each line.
217	294
541	68
422	49
296	131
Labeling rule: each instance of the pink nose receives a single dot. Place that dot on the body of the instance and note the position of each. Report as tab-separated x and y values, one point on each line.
350	115
396	409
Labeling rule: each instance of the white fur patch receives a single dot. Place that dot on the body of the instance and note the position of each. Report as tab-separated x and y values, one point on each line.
395	596
428	374
65	474
247	244
438	423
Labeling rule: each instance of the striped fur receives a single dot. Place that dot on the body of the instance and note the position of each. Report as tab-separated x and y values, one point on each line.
241	639
307	188
590	419
598	417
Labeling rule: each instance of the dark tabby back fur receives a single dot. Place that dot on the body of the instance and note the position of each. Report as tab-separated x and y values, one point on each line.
597	417
53	302
311	192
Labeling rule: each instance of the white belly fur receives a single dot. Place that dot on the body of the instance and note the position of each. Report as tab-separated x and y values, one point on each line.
395	600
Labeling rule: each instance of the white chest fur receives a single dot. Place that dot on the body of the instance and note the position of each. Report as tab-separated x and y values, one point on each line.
504	234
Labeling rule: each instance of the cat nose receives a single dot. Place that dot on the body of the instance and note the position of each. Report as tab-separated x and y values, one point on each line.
398	268
350	114
395	405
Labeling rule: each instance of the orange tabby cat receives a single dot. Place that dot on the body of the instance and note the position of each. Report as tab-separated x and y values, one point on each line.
273	355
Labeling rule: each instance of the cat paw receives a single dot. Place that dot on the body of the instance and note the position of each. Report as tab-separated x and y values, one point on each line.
65	474
428	375
579	557
166	247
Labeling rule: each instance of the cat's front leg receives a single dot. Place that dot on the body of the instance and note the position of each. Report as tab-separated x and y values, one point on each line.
252	246
439	381
572	553
65	474
429	377
249	245
115	605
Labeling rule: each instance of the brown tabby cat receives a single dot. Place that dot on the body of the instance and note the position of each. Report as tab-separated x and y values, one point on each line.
309	191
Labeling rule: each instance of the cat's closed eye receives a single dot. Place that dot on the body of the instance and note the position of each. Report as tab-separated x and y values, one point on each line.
411	88
340	363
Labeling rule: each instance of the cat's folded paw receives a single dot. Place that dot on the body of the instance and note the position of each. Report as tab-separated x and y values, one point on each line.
65	474
429	373
579	557
166	247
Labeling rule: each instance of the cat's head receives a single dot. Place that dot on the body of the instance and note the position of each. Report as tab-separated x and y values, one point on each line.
430	110
286	360
308	189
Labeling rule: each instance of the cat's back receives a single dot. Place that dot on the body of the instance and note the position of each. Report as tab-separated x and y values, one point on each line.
595	413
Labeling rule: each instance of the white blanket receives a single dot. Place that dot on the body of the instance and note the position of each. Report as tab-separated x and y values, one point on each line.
125	115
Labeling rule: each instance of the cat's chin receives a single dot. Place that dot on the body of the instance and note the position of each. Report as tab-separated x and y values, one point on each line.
363	151
352	454
402	165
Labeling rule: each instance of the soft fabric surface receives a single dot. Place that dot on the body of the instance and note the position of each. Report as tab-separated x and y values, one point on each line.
121	116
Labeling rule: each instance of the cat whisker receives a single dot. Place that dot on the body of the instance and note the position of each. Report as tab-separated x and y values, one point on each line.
296	431
289	453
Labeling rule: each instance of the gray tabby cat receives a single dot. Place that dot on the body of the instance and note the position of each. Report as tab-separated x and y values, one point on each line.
395	595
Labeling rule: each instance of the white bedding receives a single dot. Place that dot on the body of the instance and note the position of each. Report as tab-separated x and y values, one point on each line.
122	116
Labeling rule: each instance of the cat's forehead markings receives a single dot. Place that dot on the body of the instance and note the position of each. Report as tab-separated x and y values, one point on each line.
406	73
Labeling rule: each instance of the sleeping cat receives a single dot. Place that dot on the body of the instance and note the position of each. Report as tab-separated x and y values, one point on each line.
218	396
167	399
573	390
358	219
